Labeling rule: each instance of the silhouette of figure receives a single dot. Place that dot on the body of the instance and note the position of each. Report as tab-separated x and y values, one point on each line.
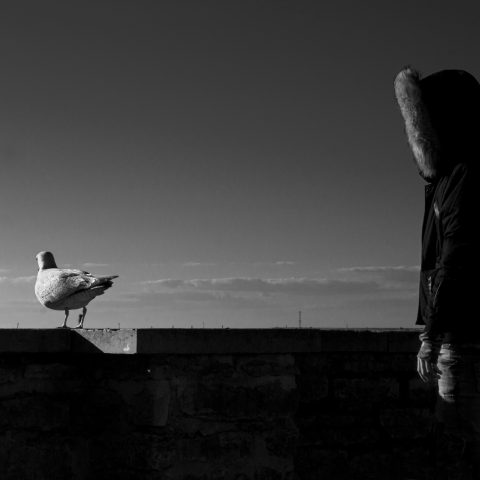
442	122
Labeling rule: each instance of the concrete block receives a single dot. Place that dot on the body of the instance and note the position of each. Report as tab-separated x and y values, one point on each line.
122	341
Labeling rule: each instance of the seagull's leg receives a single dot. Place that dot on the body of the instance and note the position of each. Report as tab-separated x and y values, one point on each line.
66	316
81	318
84	311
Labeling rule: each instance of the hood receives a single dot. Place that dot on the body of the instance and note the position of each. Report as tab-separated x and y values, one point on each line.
442	118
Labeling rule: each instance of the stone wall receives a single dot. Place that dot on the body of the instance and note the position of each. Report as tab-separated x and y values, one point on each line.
212	405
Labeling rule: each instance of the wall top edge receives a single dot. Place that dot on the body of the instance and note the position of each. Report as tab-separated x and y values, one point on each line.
202	341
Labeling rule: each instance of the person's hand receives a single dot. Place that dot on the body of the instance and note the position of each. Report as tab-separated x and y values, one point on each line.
427	369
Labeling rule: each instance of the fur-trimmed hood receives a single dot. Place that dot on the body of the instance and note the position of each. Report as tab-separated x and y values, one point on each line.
442	118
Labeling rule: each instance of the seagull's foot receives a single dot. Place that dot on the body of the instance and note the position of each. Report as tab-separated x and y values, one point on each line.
63	326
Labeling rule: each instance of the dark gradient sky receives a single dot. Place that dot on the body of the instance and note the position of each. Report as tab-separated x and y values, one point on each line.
250	153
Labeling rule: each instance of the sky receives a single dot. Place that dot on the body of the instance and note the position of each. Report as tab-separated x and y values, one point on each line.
234	162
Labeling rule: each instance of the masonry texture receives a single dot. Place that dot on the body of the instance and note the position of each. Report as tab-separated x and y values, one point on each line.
177	404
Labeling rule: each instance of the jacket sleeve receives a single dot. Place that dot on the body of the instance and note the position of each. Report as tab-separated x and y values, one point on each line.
429	348
451	288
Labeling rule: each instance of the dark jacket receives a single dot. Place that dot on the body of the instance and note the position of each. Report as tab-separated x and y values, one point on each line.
441	117
449	298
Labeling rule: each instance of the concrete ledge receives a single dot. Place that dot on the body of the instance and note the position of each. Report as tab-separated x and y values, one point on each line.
207	341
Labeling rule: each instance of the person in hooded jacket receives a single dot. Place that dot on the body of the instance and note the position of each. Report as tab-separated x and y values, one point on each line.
442	122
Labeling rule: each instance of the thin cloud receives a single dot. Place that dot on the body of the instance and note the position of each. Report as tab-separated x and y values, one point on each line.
277	263
166	282
25	279
399	276
18	280
95	265
198	264
388	268
186	298
291	286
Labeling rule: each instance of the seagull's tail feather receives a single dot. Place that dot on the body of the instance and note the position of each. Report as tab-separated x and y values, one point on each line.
106	277
103	282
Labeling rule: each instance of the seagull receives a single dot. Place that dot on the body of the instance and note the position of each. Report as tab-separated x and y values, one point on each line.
67	289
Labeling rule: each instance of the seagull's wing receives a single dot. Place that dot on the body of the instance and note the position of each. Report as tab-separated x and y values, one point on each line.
74	280
71	280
